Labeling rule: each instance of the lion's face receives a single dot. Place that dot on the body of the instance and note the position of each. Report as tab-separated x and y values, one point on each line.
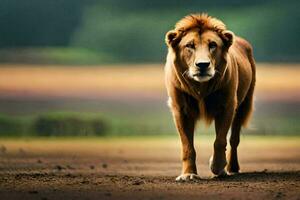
200	52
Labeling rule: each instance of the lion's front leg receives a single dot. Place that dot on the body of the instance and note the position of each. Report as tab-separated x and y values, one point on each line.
223	122
185	116
188	153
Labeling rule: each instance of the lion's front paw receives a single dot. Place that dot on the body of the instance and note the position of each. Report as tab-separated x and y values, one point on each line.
218	167
188	177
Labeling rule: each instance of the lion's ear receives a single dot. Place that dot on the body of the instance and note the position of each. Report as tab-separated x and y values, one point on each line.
228	37
172	38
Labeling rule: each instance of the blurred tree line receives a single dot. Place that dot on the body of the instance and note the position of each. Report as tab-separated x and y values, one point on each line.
106	31
53	124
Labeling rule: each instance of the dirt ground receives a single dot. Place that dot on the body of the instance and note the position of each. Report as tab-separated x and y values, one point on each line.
143	168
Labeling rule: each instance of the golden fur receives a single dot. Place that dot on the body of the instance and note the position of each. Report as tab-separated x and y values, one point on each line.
224	93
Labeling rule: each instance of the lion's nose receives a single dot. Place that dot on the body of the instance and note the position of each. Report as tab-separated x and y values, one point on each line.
202	65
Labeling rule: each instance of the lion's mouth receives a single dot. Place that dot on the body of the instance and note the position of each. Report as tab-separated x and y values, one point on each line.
202	74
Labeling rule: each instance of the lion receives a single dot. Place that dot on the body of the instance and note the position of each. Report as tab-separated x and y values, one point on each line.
209	75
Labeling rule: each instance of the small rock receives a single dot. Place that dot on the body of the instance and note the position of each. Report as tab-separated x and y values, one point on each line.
137	182
279	195
92	167
98	183
39	161
104	165
84	182
58	167
265	170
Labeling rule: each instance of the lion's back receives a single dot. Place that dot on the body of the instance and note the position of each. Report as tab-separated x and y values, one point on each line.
243	54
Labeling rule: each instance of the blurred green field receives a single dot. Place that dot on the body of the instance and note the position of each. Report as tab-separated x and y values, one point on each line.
96	32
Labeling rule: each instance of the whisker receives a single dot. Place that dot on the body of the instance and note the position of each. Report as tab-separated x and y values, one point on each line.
184	73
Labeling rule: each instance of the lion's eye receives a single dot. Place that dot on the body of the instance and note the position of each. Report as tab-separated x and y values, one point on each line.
190	45
212	45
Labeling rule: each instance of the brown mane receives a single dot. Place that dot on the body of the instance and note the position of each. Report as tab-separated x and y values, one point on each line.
201	21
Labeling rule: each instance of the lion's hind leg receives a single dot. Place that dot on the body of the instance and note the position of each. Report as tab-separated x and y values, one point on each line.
241	118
